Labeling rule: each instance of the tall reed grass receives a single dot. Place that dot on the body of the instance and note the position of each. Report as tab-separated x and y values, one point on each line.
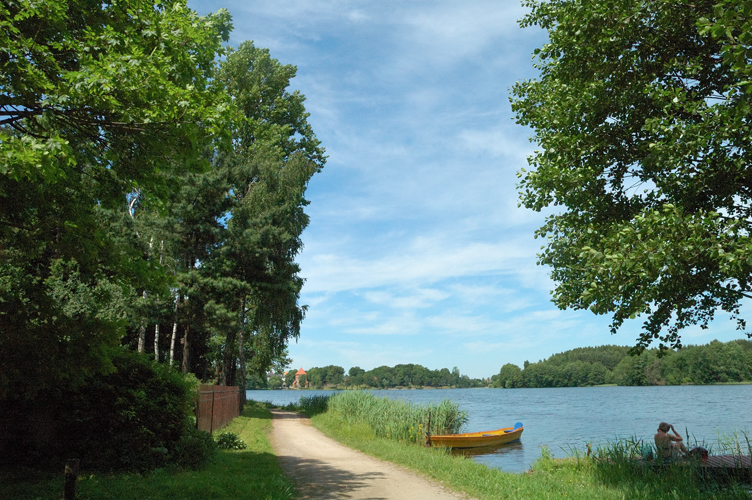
634	462
311	405
397	419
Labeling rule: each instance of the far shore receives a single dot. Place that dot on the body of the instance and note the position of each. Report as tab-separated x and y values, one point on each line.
418	388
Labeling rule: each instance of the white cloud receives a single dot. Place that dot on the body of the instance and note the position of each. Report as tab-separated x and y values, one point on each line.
423	262
407	299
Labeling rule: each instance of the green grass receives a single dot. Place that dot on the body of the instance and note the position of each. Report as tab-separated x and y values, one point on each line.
252	473
570	479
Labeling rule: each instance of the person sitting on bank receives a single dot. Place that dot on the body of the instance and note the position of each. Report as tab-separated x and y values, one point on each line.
668	445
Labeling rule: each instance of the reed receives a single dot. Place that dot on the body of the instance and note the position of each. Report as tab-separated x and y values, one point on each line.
311	405
631	463
397	419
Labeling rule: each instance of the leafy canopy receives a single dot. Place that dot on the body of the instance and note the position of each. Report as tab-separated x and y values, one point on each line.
97	99
642	114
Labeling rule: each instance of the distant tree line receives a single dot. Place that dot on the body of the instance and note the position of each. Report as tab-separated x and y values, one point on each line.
713	363
385	377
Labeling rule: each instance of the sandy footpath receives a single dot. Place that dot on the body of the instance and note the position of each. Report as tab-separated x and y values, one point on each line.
324	469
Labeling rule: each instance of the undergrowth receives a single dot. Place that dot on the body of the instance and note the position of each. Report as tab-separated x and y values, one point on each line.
253	472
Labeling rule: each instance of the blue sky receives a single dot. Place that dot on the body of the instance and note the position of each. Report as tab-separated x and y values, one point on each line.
417	251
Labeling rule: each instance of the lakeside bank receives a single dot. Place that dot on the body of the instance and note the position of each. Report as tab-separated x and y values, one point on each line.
254	473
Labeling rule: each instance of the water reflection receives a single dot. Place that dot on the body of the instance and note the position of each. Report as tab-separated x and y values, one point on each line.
499	449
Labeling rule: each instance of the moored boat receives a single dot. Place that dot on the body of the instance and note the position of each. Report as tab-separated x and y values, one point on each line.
478	439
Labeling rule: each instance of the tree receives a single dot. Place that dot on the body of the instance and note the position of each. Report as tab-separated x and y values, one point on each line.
233	231
355	376
509	376
642	114
275	381
97	100
335	375
274	155
289	378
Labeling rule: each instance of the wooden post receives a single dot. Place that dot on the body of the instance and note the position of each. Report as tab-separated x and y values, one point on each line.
211	420
71	475
428	430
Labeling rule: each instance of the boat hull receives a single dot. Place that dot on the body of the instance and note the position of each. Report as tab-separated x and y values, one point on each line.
477	439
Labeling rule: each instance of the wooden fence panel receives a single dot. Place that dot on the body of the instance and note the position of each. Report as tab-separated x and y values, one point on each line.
217	406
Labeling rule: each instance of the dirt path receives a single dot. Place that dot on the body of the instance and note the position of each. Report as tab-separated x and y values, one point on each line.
324	469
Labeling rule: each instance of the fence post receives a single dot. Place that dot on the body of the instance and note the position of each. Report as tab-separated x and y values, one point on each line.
71	475
211	420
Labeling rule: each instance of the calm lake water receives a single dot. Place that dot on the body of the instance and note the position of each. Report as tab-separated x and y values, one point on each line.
567	418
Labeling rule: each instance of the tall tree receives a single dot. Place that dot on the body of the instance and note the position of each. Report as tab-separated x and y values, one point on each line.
233	231
275	155
642	114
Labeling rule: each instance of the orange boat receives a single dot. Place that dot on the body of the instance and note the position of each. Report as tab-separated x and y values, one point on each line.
478	439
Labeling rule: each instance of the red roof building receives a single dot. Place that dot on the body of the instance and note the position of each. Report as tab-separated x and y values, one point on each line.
298	374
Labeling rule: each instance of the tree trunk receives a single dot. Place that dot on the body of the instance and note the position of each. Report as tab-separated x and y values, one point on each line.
156	327
241	345
228	360
156	342
186	350
141	338
142	332
174	331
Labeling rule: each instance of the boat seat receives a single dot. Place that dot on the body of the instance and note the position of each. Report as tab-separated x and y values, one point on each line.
516	426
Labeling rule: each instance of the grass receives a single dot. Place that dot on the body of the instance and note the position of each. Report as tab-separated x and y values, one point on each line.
574	478
252	473
310	405
397	419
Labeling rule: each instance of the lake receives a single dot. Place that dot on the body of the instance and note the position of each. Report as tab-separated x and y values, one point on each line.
567	418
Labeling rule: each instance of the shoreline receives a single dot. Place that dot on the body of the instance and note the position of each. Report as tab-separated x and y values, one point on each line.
415	388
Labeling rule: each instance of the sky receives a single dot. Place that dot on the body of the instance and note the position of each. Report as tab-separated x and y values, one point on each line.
417	251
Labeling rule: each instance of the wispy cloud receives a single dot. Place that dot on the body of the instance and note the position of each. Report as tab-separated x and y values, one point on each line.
417	251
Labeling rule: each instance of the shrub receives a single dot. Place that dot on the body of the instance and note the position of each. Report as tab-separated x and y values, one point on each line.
194	449
230	441
131	419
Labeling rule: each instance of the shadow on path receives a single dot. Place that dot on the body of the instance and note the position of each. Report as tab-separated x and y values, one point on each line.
288	415
318	480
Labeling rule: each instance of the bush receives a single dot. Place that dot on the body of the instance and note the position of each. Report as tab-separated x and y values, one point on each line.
194	450
230	441
131	419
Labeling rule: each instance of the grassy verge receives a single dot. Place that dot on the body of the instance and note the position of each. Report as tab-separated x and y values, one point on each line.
252	473
571	479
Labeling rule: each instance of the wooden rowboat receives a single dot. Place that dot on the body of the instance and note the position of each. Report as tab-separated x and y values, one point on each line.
477	439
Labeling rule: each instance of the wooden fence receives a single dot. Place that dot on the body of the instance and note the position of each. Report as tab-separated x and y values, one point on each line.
217	406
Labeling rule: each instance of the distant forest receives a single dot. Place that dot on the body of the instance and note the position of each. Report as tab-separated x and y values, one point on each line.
383	377
712	363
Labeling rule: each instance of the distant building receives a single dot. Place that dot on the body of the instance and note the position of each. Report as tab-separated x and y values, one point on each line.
298	374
